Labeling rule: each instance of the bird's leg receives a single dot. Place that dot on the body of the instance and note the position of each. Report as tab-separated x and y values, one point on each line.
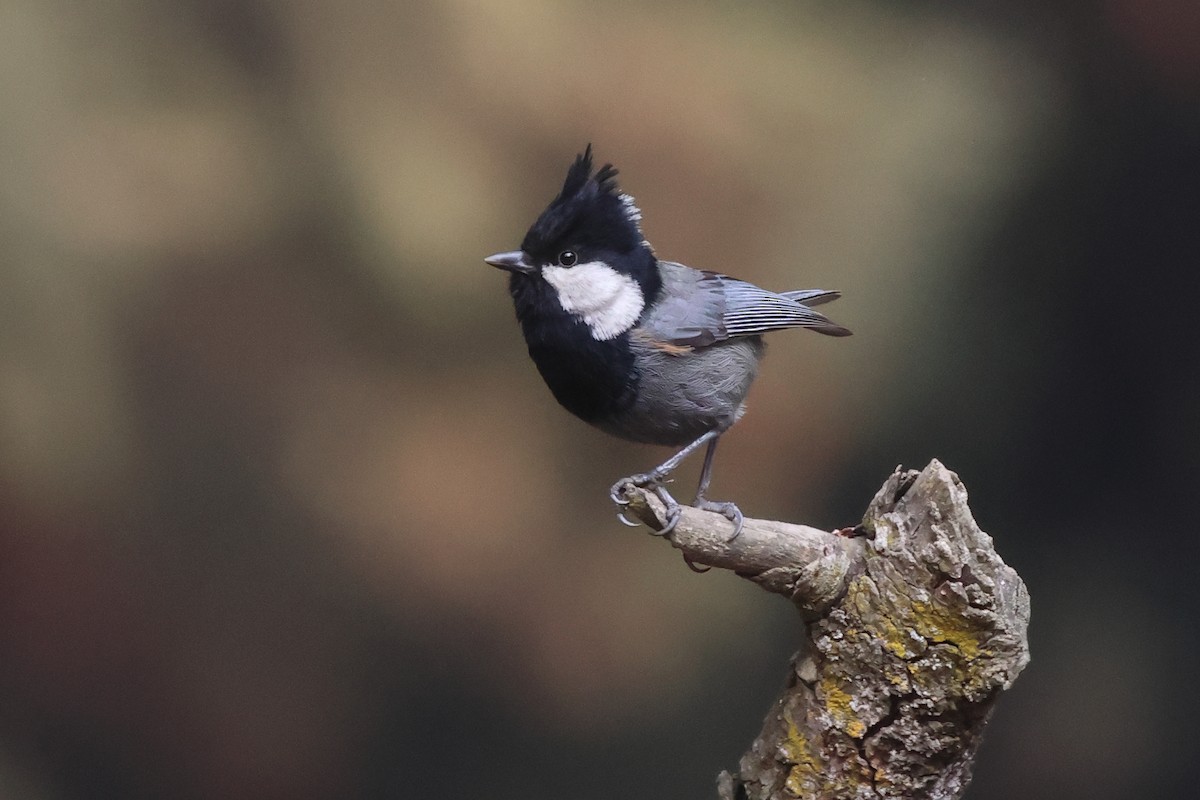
729	510
654	480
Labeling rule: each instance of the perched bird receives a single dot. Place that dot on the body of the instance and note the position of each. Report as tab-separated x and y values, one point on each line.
648	350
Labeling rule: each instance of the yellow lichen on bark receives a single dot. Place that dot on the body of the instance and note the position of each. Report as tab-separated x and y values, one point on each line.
807	766
838	703
937	623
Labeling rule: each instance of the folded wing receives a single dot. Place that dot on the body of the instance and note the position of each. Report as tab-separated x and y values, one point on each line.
750	310
702	308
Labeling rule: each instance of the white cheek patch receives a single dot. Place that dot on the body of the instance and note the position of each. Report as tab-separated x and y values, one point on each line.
607	301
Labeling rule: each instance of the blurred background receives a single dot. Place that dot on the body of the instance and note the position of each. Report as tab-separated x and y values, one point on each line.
285	511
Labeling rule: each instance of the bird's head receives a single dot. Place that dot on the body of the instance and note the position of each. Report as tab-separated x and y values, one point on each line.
587	246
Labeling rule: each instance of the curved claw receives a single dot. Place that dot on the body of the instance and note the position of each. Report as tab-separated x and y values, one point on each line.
738	520
692	566
728	510
673	515
625	520
673	509
653	482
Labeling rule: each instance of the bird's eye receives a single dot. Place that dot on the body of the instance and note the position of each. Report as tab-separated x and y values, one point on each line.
568	258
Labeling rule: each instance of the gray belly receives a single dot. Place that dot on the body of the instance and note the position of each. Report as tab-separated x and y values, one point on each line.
680	397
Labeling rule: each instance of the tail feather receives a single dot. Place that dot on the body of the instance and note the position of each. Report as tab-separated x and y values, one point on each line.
812	297
827	326
815	297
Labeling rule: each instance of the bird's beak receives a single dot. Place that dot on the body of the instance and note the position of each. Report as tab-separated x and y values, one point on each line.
513	261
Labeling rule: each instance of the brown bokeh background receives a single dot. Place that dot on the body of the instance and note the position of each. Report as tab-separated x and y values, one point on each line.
285	511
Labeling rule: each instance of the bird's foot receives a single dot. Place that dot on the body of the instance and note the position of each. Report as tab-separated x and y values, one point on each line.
653	482
642	480
617	492
729	510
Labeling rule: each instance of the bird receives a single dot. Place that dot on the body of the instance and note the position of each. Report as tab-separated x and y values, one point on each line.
645	349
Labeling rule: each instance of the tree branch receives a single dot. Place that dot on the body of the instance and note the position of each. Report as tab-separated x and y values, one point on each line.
913	629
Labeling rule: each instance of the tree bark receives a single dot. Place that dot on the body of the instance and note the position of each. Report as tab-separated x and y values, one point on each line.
914	626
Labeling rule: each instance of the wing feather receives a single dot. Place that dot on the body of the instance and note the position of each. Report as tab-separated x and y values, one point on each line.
750	310
698	309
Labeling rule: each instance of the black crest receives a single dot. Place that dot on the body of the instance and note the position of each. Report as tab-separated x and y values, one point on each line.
589	211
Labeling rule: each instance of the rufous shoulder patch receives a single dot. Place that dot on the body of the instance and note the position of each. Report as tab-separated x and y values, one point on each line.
670	348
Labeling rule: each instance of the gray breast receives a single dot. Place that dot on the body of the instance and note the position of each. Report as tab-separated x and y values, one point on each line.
683	393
